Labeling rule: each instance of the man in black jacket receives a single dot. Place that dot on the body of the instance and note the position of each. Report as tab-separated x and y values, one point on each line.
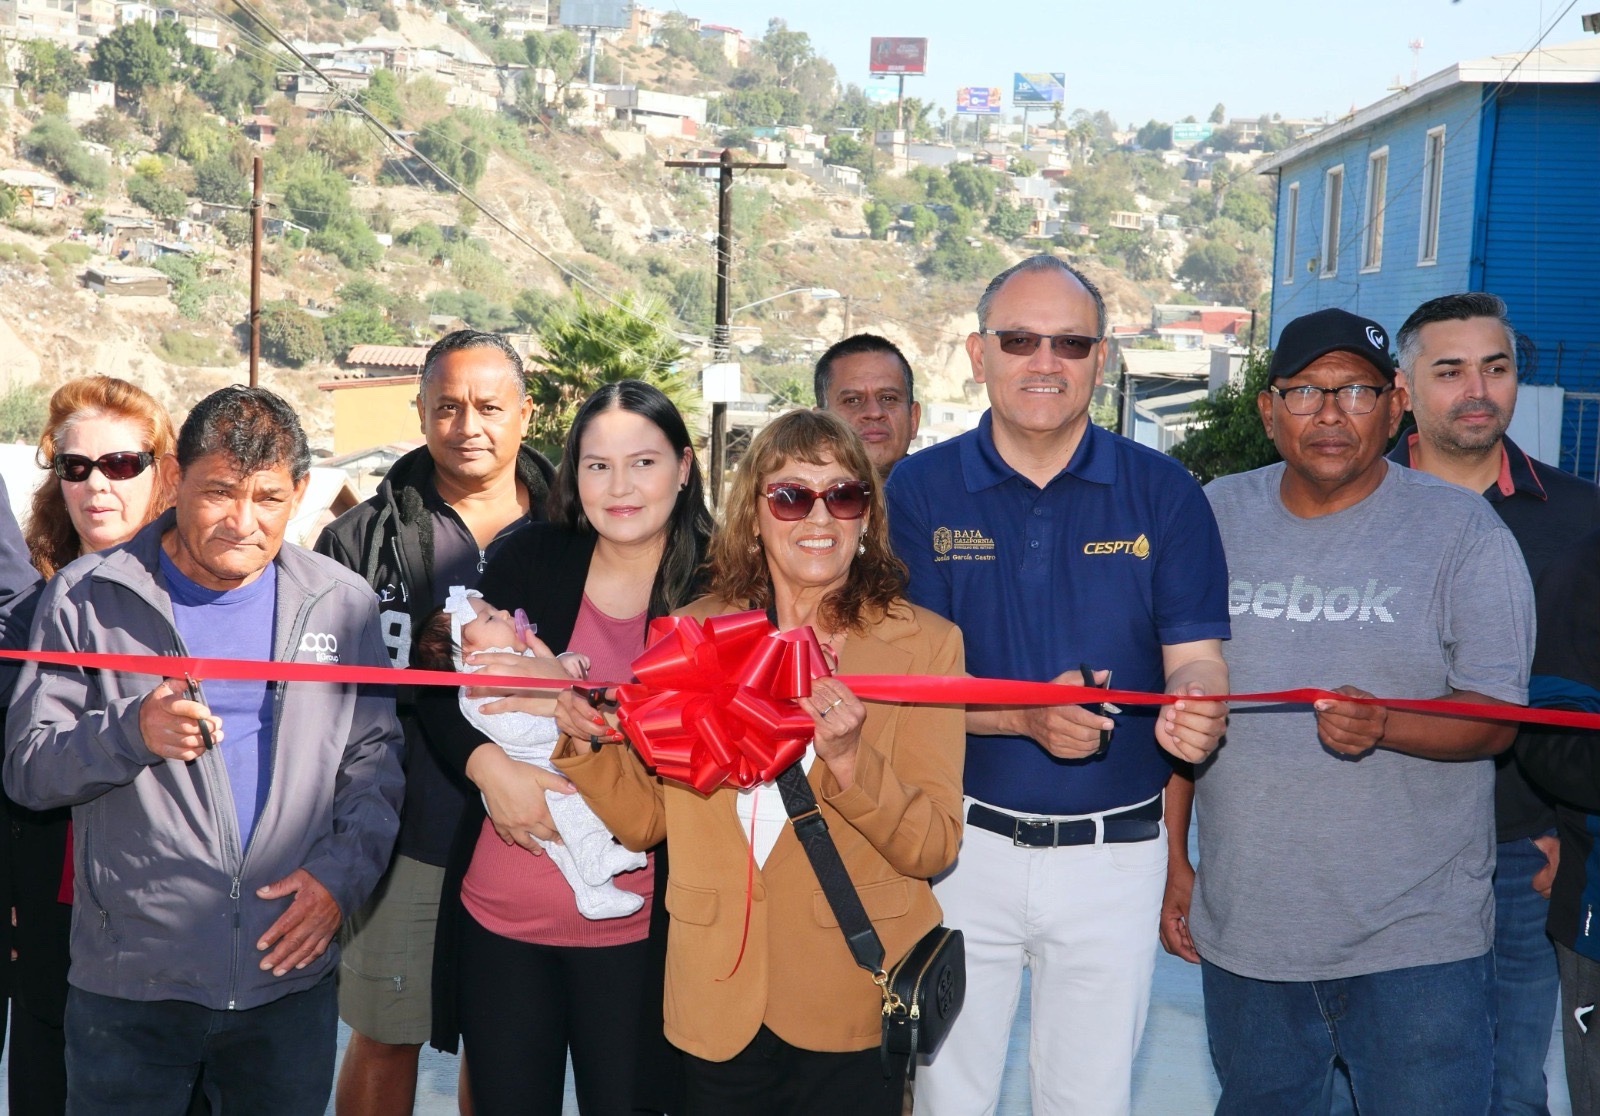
1566	764
439	514
1459	368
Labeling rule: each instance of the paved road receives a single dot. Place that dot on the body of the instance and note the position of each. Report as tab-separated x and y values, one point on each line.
1172	1076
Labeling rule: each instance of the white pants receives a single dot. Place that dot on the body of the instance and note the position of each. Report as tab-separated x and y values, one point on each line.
1084	920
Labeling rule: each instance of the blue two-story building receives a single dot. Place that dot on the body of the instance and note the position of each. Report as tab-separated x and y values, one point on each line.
1484	176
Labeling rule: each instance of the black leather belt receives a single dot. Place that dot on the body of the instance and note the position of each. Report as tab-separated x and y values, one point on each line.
1142	823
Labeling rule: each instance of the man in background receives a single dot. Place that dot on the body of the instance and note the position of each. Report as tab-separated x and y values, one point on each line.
866	381
434	522
1458	365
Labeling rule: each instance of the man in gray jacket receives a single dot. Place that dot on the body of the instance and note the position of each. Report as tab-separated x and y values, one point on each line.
220	834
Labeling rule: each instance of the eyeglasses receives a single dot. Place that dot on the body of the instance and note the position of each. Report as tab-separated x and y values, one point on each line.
790	502
1063	346
115	466
1353	399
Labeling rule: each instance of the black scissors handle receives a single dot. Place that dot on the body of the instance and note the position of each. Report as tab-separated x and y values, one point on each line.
1103	709
192	692
595	696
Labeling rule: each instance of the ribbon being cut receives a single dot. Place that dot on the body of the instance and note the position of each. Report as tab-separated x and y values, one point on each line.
715	699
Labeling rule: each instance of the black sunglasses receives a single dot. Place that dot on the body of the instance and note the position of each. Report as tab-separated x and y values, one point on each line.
116	466
790	501
1063	346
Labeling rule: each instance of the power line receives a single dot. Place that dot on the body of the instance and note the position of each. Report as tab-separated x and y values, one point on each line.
433	167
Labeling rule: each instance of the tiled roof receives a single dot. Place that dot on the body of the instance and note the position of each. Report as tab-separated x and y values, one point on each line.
387	356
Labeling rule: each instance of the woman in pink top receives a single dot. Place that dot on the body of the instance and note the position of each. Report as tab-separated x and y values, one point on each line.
520	976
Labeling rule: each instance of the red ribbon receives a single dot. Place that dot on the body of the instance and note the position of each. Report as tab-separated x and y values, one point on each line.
715	699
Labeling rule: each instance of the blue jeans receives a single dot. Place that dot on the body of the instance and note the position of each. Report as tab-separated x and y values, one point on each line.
141	1058
1526	983
1418	1041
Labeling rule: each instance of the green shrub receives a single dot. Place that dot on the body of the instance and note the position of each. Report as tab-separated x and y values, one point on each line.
290	336
54	143
11	252
956	260
189	349
190	292
350	240
23	411
158	197
235	228
357	324
474	309
70	252
426	239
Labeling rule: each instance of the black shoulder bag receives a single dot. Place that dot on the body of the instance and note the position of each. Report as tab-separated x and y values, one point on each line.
924	990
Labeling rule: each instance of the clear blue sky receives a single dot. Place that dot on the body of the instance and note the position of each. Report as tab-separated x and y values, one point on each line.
1166	59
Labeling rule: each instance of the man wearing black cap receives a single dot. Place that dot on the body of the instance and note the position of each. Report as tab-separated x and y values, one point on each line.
1343	909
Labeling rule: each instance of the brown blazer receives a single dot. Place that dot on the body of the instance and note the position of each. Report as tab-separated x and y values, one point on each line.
896	827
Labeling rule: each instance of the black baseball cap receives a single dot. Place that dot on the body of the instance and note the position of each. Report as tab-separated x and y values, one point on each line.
1315	335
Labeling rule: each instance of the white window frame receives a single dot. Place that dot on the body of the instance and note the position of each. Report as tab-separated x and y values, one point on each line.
1432	195
1374	209
1331	208
1293	211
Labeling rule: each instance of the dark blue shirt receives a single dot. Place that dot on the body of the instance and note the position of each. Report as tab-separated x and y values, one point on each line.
233	624
1115	557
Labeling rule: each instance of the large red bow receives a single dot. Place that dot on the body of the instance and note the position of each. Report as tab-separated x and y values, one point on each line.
714	701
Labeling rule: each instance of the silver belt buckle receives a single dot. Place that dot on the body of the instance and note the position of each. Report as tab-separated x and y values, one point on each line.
1017	829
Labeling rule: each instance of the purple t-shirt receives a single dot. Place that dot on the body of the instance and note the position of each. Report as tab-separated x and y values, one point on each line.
233	624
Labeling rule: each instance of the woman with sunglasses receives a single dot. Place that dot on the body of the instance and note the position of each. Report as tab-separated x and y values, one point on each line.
520	977
761	993
101	438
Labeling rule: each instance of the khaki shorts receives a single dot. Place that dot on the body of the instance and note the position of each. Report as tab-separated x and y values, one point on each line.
386	956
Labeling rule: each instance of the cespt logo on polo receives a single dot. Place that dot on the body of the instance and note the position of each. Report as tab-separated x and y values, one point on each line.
321	644
1138	548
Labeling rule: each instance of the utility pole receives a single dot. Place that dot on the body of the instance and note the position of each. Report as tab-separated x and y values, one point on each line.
720	343
258	206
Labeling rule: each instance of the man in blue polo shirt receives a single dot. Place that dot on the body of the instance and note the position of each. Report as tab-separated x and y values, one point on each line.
1055	544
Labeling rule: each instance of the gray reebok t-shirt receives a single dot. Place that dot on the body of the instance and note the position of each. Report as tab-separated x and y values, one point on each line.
1313	866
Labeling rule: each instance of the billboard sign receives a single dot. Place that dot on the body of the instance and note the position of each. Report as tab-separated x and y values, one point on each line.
1038	89
899	56
978	100
1184	134
595	13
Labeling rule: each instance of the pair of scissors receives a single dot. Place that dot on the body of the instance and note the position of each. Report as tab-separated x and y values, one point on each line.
1104	707
192	692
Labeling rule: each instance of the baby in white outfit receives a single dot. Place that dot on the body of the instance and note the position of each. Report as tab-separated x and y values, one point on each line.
588	856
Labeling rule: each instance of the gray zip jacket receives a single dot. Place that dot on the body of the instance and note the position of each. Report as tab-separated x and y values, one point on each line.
164	899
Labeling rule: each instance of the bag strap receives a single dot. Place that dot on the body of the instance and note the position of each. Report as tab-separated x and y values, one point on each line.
812	829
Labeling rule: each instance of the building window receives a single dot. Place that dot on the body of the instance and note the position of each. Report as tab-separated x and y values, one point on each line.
1291	217
1332	200
1432	177
1372	230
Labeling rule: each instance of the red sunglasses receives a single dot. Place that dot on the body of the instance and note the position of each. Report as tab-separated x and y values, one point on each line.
790	501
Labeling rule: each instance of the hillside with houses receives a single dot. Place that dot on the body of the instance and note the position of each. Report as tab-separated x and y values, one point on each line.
431	167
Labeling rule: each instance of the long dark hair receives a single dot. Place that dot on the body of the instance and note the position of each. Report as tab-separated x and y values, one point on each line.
690	524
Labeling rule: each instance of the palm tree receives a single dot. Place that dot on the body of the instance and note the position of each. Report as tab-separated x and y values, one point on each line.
587	344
